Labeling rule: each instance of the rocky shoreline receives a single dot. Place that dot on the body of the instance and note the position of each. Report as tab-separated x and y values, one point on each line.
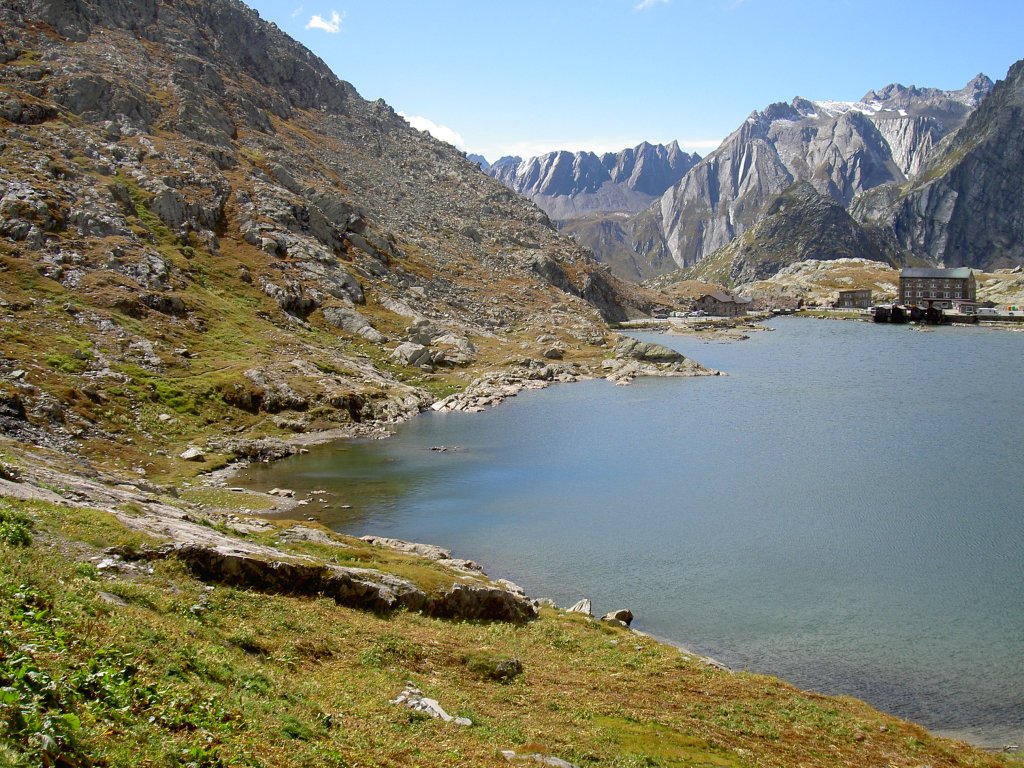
212	543
190	530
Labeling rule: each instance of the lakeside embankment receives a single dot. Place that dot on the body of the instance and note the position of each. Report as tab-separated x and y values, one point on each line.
764	577
224	671
142	641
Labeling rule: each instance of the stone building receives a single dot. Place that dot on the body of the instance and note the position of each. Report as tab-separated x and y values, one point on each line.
859	299
723	304
942	287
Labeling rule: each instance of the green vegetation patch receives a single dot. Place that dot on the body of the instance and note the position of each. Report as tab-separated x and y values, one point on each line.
144	665
663	746
15	527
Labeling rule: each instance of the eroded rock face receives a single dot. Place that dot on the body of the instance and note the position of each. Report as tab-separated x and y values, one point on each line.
259	569
842	149
967	209
567	185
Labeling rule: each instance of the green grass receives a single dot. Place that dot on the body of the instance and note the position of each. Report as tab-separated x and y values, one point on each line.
15	527
151	667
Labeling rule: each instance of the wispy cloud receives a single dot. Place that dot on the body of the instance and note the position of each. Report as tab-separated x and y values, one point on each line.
441	132
333	26
297	12
644	5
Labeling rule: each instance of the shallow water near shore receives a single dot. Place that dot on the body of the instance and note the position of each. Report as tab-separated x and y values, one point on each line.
844	509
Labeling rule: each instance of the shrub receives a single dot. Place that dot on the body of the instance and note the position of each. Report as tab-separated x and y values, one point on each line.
15	528
490	667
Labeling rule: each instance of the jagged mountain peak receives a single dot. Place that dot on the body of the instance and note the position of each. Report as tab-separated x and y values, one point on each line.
977	89
842	148
567	185
900	99
966	207
896	96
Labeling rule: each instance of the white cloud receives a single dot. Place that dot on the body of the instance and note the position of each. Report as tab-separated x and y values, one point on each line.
297	12
643	5
441	132
333	26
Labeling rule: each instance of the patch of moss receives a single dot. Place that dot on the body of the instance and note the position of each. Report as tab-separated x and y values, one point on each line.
662	746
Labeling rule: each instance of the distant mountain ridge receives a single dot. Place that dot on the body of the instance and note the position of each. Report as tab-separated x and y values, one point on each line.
568	185
954	199
841	148
966	207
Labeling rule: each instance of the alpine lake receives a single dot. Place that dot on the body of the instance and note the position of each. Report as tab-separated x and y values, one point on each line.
843	509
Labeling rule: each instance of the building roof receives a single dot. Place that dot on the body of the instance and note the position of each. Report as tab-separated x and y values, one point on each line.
726	298
930	272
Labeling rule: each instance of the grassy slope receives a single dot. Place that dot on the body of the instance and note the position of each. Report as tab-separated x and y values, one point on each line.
156	669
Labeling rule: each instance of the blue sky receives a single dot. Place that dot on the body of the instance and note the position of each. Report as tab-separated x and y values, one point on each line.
498	77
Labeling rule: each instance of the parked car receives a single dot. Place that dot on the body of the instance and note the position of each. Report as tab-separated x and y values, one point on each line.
698	313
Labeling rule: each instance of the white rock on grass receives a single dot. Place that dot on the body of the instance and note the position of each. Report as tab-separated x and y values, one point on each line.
583	606
412	698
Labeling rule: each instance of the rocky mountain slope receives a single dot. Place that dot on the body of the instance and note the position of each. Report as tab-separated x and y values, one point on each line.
204	232
591	198
798	225
841	149
966	207
567	185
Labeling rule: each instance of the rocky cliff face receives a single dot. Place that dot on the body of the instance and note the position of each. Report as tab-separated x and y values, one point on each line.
840	148
966	206
187	195
567	185
798	225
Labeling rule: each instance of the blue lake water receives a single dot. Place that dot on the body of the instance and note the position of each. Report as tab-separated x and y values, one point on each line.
845	509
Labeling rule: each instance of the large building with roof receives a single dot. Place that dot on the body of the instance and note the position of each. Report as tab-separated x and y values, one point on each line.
723	304
942	287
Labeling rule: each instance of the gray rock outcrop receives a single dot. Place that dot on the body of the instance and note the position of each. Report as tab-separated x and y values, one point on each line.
429	551
582	606
266	570
567	185
635	358
841	149
412	698
623	616
349	320
967	206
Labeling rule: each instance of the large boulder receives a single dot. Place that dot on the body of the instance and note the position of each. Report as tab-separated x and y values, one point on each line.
646	351
635	358
481	602
349	320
